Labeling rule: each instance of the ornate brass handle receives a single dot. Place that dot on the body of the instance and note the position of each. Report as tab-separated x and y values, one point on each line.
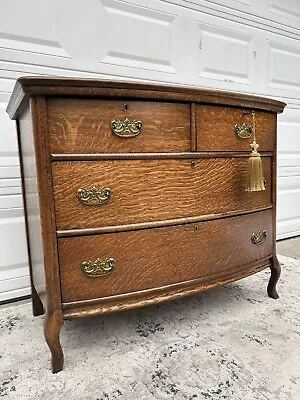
126	128
243	131
258	237
94	196
98	268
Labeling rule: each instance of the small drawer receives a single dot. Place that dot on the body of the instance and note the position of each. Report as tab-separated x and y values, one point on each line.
102	193
118	263
113	126
231	129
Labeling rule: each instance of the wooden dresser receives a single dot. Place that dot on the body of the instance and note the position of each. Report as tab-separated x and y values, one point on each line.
135	194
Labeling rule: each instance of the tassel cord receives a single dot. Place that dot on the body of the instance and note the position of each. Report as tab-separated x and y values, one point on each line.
255	178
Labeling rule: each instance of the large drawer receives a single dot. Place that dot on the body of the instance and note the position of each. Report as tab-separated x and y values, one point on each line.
113	126
217	129
118	263
151	190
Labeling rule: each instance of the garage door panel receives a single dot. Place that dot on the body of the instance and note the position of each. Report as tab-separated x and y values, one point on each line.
288	172
284	66
215	46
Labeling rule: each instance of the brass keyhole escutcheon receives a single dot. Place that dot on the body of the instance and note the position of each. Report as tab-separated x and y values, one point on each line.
243	131
196	228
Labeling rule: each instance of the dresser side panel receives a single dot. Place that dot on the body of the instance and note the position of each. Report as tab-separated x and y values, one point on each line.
38	202
31	203
47	211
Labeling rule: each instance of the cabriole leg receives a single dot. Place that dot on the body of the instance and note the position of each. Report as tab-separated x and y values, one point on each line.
52	326
275	274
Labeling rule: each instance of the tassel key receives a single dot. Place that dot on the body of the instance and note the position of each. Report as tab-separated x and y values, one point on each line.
255	179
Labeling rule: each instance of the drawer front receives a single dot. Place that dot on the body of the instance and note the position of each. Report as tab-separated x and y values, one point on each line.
109	126
118	263
217	129
151	190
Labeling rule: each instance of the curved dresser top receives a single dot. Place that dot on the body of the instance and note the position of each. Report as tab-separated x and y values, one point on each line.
73	87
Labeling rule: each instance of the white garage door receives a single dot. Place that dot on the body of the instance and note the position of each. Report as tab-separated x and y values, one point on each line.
249	46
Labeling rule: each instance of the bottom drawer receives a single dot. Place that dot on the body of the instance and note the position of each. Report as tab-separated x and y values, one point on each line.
117	263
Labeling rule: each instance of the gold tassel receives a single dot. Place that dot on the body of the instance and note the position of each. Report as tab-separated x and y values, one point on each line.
255	177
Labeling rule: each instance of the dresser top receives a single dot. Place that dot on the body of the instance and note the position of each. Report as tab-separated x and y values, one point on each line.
73	87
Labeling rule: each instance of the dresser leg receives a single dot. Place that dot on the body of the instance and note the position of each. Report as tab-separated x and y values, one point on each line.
37	305
52	325
275	274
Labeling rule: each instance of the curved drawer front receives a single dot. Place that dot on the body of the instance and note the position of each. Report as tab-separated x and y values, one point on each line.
118	263
103	126
231	129
107	193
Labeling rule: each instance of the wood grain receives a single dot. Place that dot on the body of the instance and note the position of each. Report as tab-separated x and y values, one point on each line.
48	266
191	155
144	298
178	221
161	256
150	190
154	224
32	211
80	125
216	129
50	86
52	326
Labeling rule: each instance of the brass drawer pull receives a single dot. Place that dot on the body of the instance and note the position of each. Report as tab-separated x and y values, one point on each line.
98	268
94	196
243	131
258	237
126	128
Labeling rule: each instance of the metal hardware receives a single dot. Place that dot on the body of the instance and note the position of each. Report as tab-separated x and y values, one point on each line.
126	128
125	107
193	164
196	228
98	268
243	131
94	196
258	237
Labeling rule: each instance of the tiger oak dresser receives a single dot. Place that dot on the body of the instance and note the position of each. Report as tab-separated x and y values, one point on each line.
135	194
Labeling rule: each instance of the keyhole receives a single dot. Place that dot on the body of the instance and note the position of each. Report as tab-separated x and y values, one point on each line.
196	228
125	107
193	164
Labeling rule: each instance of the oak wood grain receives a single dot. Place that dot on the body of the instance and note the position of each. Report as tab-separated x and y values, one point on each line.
153	156
178	221
149	190
144	298
154	224
161	256
48	266
81	125
57	86
32	211
216	129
